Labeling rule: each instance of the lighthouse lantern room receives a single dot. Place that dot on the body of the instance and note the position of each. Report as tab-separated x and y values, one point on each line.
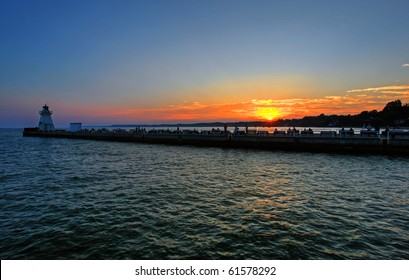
46	122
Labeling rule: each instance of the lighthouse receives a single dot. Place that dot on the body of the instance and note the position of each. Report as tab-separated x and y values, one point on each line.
46	122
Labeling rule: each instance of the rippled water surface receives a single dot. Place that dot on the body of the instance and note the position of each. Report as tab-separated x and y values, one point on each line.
79	199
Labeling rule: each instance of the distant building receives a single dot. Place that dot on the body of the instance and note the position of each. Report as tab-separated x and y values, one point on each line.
46	122
75	127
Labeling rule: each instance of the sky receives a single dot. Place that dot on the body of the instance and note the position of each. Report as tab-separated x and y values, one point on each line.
148	62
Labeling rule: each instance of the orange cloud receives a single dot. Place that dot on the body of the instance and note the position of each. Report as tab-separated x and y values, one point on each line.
267	109
401	89
355	101
195	111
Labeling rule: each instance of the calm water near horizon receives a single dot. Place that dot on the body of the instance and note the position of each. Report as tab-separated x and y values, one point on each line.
79	199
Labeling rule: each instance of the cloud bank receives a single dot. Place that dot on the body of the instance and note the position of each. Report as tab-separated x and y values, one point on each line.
353	102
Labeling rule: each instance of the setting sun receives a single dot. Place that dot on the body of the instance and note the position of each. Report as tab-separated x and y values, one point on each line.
269	113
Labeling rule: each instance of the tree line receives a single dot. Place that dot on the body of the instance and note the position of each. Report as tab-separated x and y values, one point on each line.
394	114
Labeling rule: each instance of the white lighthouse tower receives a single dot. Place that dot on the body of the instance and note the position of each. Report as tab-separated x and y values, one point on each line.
46	122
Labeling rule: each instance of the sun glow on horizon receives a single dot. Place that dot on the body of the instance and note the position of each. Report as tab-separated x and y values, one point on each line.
353	101
268	113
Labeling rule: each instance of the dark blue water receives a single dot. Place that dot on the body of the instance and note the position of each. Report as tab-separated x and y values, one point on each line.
79	199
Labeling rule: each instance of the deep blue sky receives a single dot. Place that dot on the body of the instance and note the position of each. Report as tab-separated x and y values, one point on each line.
90	57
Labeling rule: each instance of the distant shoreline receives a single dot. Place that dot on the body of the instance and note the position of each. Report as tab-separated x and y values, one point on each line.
394	114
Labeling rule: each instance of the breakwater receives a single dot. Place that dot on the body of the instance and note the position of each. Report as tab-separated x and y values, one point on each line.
323	142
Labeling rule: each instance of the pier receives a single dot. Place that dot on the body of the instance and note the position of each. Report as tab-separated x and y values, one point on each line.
372	142
342	141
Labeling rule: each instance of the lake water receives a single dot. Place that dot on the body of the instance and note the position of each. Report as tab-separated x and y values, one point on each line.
79	199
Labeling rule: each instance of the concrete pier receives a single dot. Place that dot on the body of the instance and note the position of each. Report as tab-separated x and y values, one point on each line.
331	142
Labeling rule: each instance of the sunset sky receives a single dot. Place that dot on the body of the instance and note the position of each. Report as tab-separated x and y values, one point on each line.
140	62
